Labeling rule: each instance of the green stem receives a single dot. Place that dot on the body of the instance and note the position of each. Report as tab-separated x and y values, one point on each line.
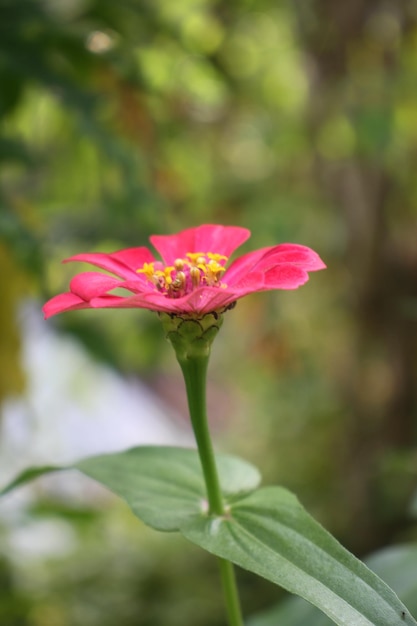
231	595
195	374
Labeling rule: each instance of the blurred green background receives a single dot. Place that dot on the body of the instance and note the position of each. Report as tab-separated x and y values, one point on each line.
295	119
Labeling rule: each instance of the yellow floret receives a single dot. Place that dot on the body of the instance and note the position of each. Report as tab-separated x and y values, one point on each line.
148	269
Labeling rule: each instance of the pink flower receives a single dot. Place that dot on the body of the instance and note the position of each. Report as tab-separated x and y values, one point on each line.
192	278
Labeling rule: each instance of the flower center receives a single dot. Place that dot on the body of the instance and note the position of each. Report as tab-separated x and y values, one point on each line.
198	269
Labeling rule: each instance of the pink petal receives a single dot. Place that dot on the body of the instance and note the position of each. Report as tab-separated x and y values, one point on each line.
299	255
206	300
123	263
203	300
265	258
282	276
63	302
88	285
244	264
152	301
285	276
138	286
206	238
250	283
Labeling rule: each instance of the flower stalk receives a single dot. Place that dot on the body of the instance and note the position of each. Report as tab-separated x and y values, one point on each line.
194	370
191	339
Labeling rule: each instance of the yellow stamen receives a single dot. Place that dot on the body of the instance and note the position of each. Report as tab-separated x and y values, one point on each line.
196	257
203	268
214	272
195	277
215	267
148	269
178	283
216	257
166	273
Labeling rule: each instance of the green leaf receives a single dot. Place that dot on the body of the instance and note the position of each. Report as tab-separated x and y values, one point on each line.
396	565
164	486
267	532
28	475
270	534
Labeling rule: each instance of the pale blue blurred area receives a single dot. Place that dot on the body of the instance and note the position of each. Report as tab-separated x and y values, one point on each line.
74	406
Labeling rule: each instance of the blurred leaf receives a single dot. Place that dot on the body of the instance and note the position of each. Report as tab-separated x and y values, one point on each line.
292	612
22	244
397	565
28	475
13	150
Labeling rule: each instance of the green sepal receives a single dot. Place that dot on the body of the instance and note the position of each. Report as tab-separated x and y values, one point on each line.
190	336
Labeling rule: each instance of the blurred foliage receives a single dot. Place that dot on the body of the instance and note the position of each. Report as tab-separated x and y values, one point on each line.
294	119
13	283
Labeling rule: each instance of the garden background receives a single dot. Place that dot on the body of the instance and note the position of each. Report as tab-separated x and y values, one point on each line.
297	120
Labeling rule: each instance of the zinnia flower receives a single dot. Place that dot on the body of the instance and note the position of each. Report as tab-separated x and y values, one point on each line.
191	279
